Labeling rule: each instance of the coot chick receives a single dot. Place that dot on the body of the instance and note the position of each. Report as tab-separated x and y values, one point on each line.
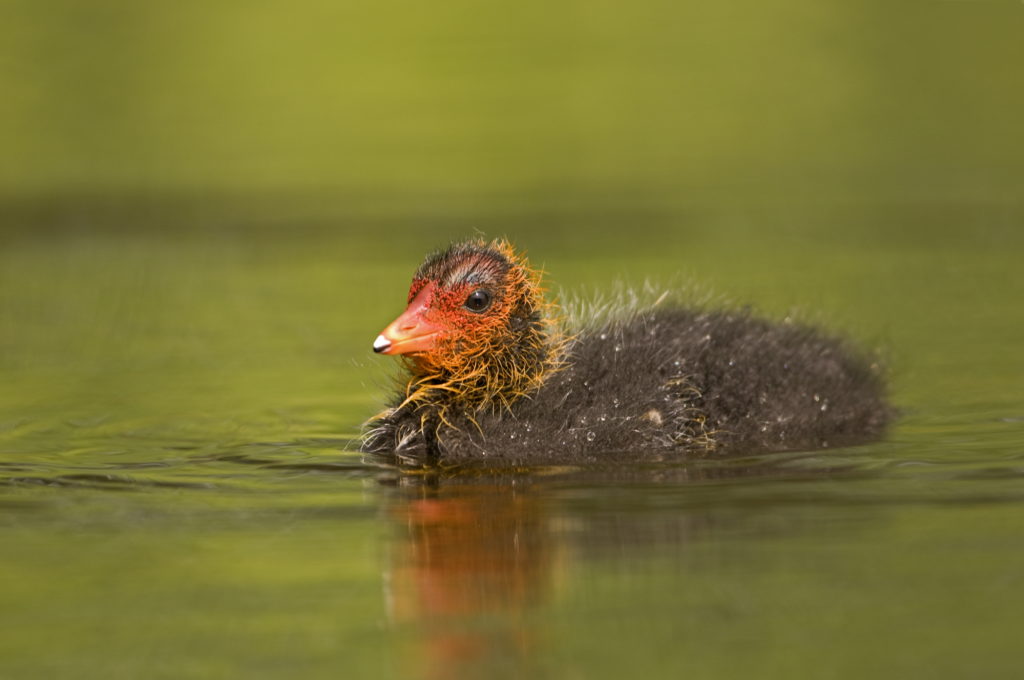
491	375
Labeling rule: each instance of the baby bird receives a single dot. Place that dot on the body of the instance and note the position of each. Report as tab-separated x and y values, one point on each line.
491	375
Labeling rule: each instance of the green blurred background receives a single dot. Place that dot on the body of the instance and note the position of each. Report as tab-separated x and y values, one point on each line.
208	210
385	105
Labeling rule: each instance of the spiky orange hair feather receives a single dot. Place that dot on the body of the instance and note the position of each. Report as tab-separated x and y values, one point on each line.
484	360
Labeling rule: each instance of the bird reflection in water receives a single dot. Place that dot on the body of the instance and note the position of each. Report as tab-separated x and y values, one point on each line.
476	556
470	563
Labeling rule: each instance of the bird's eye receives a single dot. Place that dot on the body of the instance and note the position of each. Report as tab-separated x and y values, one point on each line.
478	301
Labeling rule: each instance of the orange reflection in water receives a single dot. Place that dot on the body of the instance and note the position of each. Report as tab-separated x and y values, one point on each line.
470	562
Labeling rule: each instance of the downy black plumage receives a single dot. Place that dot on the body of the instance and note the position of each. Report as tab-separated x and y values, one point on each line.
666	382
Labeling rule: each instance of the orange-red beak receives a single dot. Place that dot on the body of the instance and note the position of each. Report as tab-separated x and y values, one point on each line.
411	331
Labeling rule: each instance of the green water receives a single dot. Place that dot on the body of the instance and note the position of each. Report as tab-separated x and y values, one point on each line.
180	496
208	212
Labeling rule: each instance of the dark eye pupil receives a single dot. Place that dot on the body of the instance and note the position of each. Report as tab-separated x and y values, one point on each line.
478	301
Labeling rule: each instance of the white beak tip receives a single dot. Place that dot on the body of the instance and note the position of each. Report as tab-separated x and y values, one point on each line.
381	344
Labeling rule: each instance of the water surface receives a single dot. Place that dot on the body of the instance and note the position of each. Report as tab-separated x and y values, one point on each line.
182	496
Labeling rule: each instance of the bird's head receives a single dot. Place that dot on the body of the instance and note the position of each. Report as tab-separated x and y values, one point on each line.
476	326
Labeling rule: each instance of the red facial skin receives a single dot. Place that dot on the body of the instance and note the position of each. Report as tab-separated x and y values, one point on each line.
434	321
